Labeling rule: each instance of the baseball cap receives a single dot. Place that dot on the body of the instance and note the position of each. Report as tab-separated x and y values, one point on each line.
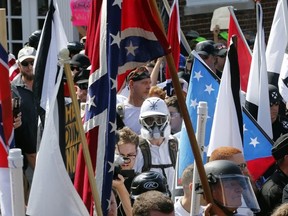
280	148
138	74
224	35
221	48
26	52
205	48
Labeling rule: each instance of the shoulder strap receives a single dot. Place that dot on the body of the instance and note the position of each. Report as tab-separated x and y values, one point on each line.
120	110
120	115
144	146
173	149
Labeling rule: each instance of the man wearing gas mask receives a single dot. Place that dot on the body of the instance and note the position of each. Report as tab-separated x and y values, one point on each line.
157	147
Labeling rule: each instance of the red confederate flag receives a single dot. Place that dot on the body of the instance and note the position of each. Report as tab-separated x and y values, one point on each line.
6	133
126	36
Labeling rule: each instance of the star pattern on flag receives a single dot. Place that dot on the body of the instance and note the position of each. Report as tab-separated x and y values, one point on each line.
90	101
116	39
114	126
194	103
117	2
131	49
244	128
198	75
254	142
108	204
209	89
112	166
114	83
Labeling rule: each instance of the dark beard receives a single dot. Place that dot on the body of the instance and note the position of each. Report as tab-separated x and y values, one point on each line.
28	76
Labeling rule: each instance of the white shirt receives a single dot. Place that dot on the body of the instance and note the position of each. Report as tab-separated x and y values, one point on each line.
179	210
159	155
131	117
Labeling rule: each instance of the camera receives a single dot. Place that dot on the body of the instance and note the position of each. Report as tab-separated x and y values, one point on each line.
16	106
118	161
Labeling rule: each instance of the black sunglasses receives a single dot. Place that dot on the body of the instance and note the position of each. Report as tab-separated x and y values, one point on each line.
26	63
83	86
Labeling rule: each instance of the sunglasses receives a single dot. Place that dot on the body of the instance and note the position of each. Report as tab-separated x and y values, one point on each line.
83	86
26	63
74	68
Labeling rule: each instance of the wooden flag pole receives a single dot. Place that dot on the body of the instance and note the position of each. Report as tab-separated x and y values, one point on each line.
86	153
186	118
3	31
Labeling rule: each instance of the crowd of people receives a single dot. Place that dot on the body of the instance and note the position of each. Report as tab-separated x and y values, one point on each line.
149	123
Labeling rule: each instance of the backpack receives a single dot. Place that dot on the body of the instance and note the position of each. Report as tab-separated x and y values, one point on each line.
173	149
120	116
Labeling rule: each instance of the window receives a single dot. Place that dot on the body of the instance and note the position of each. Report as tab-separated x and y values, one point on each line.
23	18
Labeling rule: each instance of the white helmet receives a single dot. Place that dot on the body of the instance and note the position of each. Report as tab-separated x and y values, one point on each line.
154	118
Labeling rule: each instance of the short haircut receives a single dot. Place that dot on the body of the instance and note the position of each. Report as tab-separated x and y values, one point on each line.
172	101
187	179
224	153
281	210
152	201
126	135
156	91
187	175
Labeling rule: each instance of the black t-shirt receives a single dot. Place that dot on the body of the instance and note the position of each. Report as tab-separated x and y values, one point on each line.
26	134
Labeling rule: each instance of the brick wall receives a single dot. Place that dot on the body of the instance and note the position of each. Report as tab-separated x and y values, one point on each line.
246	18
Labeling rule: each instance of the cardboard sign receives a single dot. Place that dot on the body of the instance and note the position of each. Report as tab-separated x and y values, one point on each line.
72	139
80	12
221	18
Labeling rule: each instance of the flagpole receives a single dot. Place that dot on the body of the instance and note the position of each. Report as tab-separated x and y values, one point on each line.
3	32
259	31
183	38
86	153
202	112
186	118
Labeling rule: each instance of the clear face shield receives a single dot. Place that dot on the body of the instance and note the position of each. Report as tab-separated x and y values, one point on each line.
234	191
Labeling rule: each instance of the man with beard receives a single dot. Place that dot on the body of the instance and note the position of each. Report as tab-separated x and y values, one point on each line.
26	134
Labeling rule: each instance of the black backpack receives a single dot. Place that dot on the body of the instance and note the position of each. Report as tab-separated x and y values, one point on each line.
173	148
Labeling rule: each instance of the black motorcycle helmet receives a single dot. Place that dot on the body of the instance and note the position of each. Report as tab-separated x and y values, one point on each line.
34	39
74	47
147	181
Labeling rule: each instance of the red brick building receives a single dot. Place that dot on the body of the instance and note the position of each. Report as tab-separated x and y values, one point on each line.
246	18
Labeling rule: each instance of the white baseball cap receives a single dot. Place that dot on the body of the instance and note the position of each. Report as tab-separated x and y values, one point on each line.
26	52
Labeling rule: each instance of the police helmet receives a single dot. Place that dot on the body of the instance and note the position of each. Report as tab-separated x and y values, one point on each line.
35	38
220	167
225	177
148	181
